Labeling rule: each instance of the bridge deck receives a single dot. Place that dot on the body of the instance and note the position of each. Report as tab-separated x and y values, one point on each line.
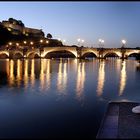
120	122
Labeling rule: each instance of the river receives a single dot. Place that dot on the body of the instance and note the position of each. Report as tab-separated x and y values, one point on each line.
62	98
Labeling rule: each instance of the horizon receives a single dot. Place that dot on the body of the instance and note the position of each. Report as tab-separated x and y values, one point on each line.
111	21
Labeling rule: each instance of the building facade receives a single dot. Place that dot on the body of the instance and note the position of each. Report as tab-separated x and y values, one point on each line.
17	27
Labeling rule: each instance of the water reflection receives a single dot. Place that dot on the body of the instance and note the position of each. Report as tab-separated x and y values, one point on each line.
101	78
80	80
123	78
42	76
45	72
26	73
11	73
138	65
48	74
7	66
32	77
19	72
30	72
62	77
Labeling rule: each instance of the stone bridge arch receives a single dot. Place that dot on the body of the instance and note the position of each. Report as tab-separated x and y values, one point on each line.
18	54
89	52
109	52
33	54
58	49
128	53
4	54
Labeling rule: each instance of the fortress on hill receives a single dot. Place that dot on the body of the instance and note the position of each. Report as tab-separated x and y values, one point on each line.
16	27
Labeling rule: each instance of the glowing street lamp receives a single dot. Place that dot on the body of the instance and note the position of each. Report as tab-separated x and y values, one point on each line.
123	43
78	40
10	43
25	42
17	44
47	41
83	41
41	41
64	41
101	42
31	43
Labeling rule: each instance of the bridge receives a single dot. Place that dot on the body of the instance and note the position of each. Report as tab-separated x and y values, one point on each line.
77	52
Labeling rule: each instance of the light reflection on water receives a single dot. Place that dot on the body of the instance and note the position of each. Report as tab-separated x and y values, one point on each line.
80	80
24	71
123	78
101	78
72	82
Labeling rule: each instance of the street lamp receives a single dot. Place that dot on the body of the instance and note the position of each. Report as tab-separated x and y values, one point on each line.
31	43
17	44
47	41
83	41
78	40
123	43
64	41
25	42
41	41
10	43
101	42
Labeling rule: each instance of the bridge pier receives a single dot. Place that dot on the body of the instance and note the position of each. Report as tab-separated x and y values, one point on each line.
124	57
101	57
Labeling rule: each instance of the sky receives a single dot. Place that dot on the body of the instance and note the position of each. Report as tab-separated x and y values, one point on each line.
111	21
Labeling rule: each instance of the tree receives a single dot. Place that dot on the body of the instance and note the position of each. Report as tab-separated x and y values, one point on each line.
20	23
49	36
10	20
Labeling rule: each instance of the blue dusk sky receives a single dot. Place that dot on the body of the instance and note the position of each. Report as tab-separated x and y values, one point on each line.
111	21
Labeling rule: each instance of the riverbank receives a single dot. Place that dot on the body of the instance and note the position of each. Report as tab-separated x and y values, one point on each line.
120	122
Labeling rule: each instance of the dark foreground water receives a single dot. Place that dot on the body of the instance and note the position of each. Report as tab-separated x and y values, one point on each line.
62	98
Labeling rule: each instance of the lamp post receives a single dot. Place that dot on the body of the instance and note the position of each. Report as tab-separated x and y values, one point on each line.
64	41
31	43
78	41
25	42
101	44
123	43
47	41
17	44
123	48
40	46
83	41
10	43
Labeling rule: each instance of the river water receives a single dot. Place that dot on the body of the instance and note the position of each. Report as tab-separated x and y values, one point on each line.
62	98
